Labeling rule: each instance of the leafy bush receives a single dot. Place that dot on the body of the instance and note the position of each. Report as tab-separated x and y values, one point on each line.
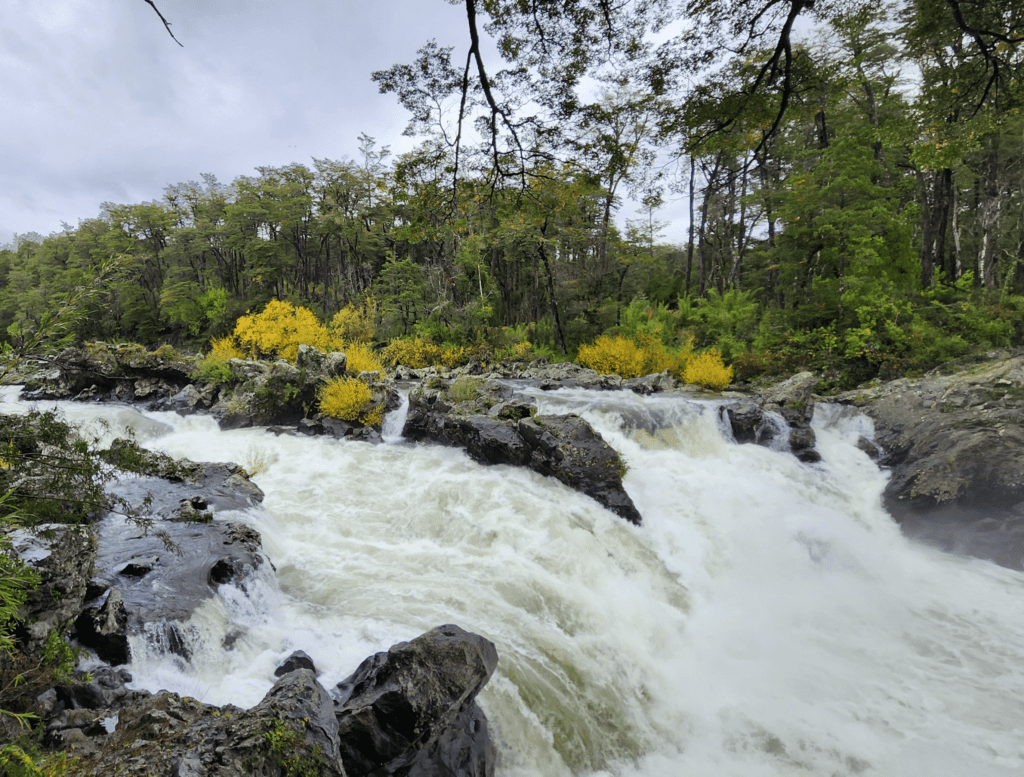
634	358
361	359
415	353
707	369
465	389
354	324
418	353
279	330
215	366
613	355
349	399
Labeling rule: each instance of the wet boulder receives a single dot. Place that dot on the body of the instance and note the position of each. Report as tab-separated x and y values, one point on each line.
779	419
954	442
153	571
495	427
411	710
568	449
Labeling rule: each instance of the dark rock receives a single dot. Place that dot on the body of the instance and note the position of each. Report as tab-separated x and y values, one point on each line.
311	427
189	400
794	401
121	372
406	707
105	629
563	447
651	384
951	438
337	428
63	557
750	423
566	447
781	415
292	731
297	660
161	576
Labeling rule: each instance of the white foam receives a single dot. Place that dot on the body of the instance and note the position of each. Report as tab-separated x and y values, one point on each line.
767	619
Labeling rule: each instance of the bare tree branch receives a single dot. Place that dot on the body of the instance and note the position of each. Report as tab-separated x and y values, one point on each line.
167	24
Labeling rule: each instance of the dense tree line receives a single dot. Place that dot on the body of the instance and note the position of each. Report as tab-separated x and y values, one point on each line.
877	223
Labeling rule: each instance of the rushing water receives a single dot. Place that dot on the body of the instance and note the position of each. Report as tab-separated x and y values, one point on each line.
768	618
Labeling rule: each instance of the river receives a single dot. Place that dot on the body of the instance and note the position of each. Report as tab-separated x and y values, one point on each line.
768	618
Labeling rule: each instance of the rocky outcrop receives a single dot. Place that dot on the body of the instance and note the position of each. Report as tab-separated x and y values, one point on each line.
951	438
292	731
954	441
411	711
153	571
779	418
257	393
485	418
126	373
63	557
540	374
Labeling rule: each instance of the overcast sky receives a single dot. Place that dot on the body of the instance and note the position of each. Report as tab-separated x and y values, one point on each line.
100	105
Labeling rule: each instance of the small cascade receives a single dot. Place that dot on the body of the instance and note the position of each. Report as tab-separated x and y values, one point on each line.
394	421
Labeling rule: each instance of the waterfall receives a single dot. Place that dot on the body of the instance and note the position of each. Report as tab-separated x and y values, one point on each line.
394	422
768	618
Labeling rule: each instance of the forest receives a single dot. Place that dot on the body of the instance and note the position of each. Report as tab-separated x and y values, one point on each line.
854	198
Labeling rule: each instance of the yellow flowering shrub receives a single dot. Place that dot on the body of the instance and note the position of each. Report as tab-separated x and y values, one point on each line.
707	369
416	353
224	349
361	359
523	350
349	399
647	355
279	330
613	356
456	355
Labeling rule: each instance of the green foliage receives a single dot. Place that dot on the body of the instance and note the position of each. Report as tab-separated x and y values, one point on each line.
16	763
285	743
53	473
215	367
465	389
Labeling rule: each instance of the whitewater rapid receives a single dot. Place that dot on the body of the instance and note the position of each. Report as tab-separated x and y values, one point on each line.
768	618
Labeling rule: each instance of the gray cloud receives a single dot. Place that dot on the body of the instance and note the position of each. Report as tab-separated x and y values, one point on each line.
101	105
